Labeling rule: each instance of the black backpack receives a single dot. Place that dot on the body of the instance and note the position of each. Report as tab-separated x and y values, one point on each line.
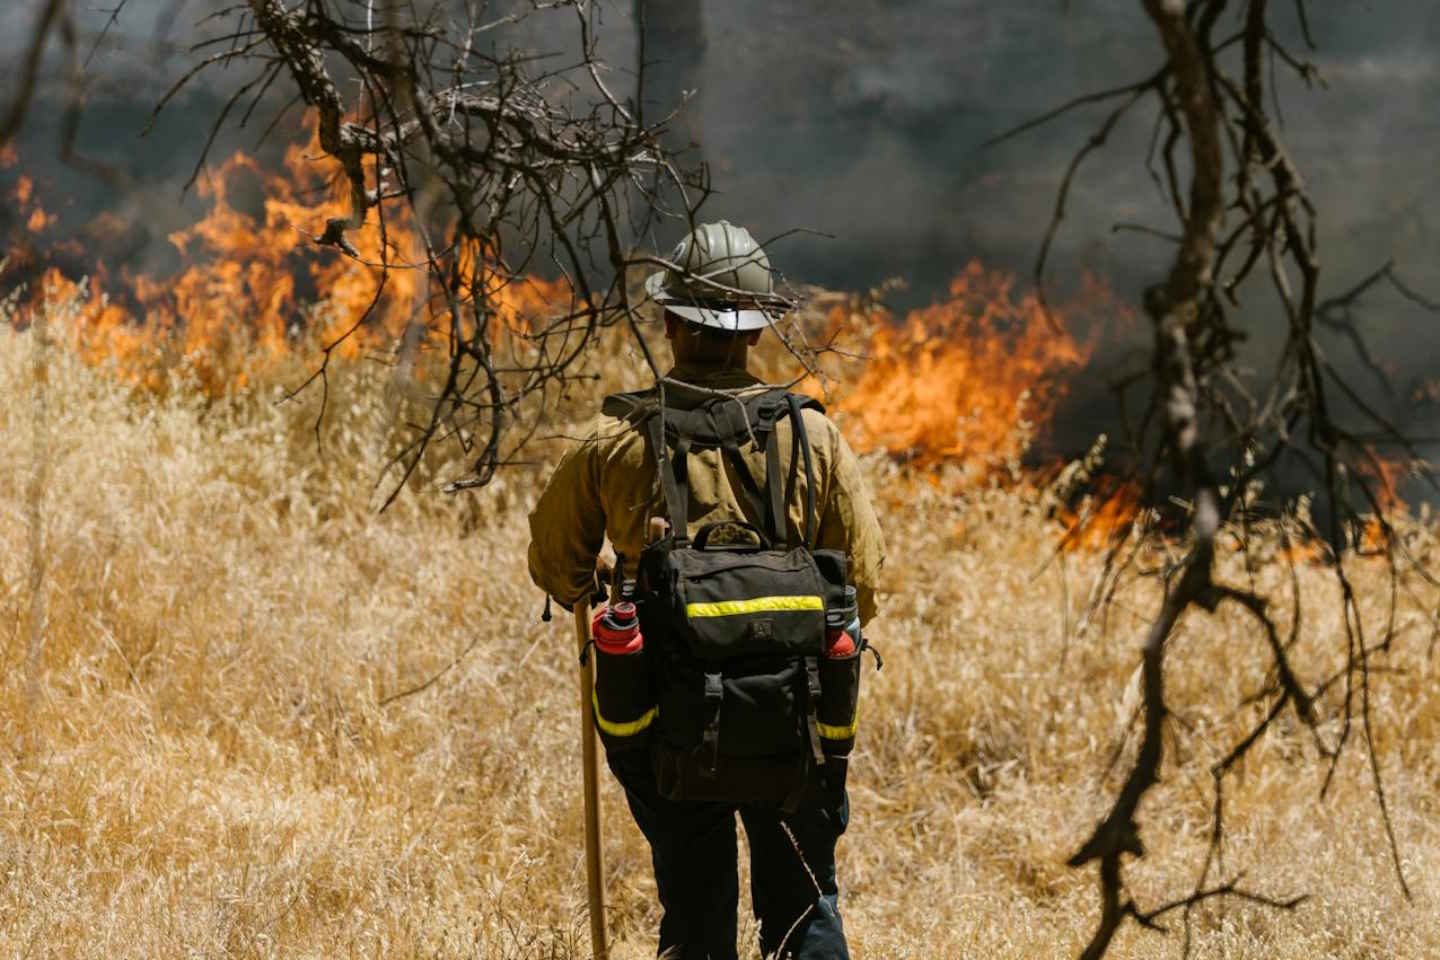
740	702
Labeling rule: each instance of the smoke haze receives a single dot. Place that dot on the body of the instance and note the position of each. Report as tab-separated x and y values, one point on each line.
865	121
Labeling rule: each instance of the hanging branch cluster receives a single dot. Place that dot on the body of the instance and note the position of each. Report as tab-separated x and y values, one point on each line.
502	167
1246	212
499	164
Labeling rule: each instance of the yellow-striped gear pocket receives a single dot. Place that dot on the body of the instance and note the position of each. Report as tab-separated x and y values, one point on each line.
624	699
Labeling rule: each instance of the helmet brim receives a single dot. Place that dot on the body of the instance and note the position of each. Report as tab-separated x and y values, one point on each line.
733	318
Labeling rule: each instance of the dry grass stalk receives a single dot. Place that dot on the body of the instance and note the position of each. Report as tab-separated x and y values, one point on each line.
205	765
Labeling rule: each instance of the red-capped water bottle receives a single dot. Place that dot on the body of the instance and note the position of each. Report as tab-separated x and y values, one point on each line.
842	628
624	702
838	716
616	627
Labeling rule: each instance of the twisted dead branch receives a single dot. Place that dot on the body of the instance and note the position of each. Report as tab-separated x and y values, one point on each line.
1204	410
503	165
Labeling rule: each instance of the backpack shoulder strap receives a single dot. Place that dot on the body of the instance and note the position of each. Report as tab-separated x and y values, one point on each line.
725	423
800	438
631	407
643	411
781	494
674	473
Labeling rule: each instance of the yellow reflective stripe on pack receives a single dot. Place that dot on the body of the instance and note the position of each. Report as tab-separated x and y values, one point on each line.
731	608
833	732
623	729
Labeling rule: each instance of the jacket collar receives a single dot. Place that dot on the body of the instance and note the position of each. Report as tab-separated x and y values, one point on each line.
727	378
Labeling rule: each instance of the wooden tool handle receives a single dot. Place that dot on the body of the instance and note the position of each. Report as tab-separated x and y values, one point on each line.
594	866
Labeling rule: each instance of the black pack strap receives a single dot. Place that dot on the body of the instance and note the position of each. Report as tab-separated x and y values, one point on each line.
775	508
748	486
797	427
712	423
812	706
796	458
681	519
710	740
806	774
631	407
676	508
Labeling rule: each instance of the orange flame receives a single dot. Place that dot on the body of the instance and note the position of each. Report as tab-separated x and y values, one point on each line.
1103	519
38	220
1302	552
253	281
969	379
1385	476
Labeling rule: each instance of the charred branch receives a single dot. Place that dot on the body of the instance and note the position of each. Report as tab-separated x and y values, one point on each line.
497	167
1206	409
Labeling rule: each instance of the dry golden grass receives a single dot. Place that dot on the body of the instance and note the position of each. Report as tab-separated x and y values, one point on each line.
200	761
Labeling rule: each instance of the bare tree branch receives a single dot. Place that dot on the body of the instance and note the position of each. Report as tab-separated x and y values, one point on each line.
1203	412
498	166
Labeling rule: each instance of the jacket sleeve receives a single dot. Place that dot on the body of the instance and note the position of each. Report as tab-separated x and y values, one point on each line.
848	523
567	527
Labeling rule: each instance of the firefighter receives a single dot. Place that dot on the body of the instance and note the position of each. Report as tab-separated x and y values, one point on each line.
715	307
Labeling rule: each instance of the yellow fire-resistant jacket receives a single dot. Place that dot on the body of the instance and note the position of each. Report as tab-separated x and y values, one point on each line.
607	484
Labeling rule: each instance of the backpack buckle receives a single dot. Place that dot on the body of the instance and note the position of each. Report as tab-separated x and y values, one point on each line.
710	740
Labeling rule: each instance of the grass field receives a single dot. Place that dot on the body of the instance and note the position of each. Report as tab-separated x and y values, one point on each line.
207	746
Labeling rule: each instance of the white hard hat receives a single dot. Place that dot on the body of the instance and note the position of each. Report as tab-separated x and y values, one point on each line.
723	281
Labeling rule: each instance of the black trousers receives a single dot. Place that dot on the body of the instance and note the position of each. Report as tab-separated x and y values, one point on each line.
693	848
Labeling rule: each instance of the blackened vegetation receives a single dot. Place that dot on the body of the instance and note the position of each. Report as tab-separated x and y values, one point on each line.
1203	409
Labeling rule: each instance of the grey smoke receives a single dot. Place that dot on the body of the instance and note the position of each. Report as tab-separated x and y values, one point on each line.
865	121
